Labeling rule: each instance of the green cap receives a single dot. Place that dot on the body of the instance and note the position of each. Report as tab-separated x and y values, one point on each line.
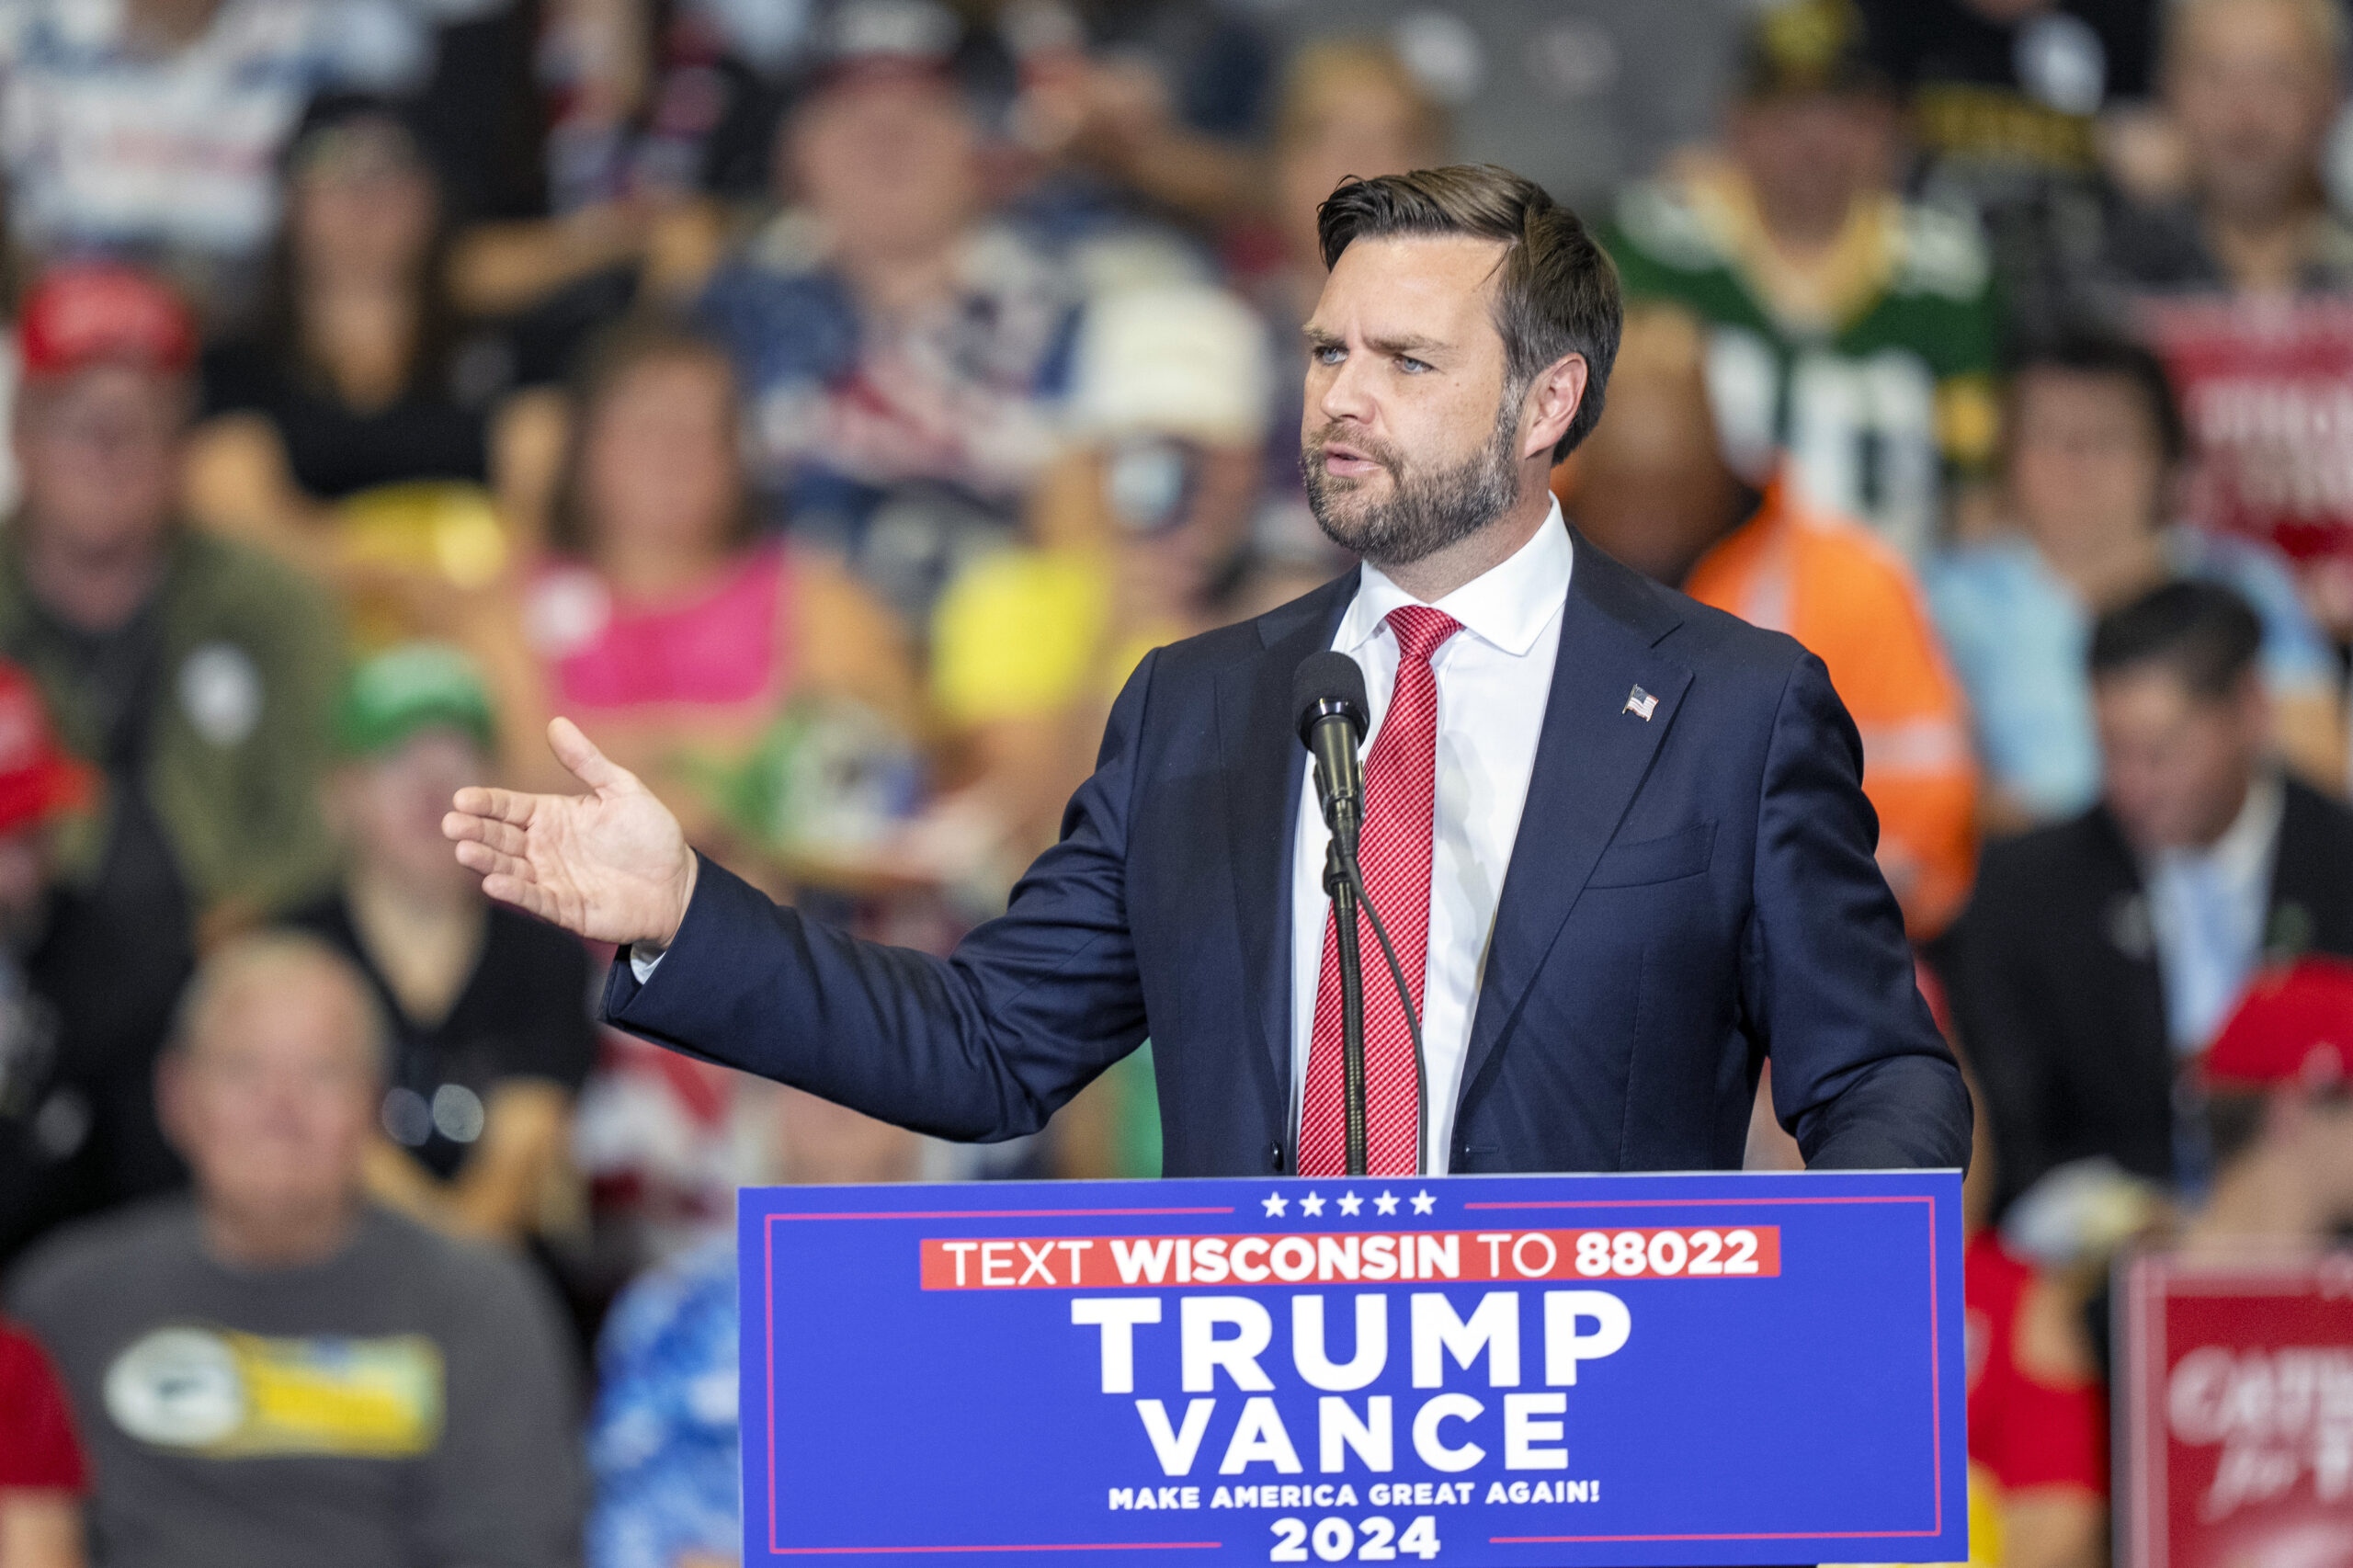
417	686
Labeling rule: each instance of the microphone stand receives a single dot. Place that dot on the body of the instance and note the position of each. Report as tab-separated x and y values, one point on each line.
1344	882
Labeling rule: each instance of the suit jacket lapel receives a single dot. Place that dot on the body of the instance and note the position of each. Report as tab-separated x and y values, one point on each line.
1259	752
1591	758
2124	934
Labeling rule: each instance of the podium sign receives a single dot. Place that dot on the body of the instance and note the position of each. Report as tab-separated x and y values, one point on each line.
1629	1370
2237	1419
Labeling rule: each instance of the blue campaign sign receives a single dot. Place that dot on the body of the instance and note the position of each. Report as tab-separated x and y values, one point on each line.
1628	1370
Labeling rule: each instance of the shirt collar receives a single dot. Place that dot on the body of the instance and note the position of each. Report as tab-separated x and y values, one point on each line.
2243	854
1508	606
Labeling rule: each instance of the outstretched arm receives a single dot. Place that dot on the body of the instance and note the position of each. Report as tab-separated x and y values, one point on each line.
986	1043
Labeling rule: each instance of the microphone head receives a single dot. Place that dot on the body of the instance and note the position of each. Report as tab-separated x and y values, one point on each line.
1325	684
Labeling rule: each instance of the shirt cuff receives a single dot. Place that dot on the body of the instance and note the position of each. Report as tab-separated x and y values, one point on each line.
642	965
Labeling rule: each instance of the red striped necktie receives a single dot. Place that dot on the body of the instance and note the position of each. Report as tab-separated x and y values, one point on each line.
1401	797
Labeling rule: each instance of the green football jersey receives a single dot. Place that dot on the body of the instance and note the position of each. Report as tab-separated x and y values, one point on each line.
1875	416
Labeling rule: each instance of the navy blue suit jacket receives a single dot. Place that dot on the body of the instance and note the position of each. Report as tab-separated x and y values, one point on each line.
1688	894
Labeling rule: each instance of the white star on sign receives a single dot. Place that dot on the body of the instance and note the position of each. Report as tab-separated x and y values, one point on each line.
1424	1203
1385	1204
1350	1203
1275	1202
1312	1205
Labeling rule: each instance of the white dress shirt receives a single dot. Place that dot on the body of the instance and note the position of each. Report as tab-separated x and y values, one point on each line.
1495	677
2207	909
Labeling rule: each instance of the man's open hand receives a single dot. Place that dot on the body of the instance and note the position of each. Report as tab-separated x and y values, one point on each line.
611	865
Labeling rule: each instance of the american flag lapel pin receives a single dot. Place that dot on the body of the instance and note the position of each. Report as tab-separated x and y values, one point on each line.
1642	703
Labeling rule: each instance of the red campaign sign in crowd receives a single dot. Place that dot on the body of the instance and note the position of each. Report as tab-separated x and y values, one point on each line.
2238	1391
2266	386
1040	1262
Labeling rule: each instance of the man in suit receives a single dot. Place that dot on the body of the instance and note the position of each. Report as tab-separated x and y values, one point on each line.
2100	955
1620	839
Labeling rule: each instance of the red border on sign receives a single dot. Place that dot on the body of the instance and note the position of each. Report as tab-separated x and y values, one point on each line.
1935	1380
1069	1546
2144	1532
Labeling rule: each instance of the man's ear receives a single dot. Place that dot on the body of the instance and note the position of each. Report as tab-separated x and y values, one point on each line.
1551	403
2251	700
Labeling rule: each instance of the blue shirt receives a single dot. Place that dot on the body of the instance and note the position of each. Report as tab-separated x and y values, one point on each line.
2207	908
907	446
2018	636
661	1442
964	392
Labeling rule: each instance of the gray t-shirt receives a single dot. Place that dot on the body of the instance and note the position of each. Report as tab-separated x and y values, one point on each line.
407	1403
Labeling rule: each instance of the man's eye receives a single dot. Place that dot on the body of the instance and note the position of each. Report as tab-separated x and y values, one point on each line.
1329	354
1410	365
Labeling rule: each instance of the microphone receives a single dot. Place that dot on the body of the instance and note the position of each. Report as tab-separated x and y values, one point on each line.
1327	695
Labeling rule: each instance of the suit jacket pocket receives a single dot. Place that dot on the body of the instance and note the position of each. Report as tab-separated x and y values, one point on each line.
1683	854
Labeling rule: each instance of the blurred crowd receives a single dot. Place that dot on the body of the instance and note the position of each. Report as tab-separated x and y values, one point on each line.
827	403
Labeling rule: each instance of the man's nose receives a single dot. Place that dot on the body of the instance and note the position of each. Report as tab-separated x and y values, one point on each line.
1347	394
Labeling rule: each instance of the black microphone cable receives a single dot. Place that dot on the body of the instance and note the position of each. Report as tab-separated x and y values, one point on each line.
1355	872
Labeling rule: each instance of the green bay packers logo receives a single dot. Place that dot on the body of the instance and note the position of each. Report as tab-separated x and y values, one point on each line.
226	1395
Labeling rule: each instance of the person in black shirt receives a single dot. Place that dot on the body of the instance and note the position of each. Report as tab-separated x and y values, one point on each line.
491	1035
2015	82
45	1113
359	377
2022	110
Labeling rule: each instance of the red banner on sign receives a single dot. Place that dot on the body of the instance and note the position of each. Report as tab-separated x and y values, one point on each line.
1049	1263
2238	1412
2266	386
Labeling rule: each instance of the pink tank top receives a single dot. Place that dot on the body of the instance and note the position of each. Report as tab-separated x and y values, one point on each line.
727	648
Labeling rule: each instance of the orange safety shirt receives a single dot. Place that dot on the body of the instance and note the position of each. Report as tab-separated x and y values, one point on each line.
1855	604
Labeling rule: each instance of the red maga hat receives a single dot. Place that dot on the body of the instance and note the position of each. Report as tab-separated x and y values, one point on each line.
2294	1026
88	312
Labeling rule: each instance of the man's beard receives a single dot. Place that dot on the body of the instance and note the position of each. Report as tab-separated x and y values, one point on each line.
1427	509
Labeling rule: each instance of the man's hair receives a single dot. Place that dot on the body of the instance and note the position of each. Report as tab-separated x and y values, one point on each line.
1556	289
265	957
2084	351
2233	1125
2235	1119
2204	632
